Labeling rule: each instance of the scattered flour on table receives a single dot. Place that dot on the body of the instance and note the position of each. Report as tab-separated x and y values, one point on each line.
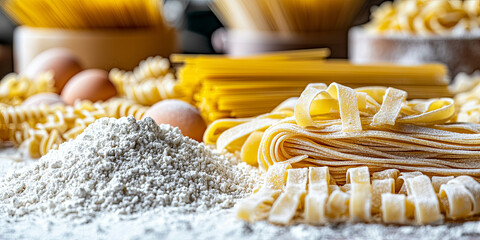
125	166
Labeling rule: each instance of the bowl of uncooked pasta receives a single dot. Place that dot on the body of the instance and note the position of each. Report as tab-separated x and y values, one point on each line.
414	32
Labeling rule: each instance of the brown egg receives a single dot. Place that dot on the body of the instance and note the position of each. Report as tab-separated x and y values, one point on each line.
90	84
61	61
43	98
179	114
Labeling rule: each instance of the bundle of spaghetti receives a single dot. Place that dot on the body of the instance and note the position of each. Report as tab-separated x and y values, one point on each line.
86	14
150	82
340	127
287	15
224	87
310	195
15	88
426	17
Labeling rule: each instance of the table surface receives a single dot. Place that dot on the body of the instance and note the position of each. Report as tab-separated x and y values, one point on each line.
207	225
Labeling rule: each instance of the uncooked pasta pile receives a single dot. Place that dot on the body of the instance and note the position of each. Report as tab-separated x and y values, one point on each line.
224	87
341	128
426	17
150	82
310	195
39	129
15	88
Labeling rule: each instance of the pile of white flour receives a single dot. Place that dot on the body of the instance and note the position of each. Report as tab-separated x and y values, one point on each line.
125	166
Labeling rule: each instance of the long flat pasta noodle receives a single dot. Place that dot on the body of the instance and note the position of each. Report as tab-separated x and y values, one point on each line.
242	130
258	205
427	209
337	205
304	103
316	198
391	106
410	207
457	200
380	187
276	176
393	208
401	186
472	186
347	101
438	181
285	207
249	151
218	127
361	194
386	174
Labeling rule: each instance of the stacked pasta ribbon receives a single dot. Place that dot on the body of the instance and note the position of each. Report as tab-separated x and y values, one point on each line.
310	195
341	128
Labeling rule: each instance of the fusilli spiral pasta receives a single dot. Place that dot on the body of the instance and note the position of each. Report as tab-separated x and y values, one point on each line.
150	82
14	88
121	107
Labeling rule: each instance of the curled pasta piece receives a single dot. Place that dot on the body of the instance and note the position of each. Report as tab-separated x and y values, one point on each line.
438	181
393	208
361	194
427	209
457	200
239	132
401	186
472	186
380	187
285	207
386	174
215	129
249	151
345	97
315	200
337	205
258	205
120	107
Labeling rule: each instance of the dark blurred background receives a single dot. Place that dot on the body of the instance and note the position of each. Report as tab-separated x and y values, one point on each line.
193	19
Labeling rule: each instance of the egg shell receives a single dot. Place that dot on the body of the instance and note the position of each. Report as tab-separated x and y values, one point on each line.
61	61
178	114
90	84
43	98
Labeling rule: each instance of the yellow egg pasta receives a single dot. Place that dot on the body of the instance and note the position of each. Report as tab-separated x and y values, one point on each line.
306	196
425	17
223	87
150	82
14	88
